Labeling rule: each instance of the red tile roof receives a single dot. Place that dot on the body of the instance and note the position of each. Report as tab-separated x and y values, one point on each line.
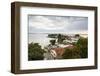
60	50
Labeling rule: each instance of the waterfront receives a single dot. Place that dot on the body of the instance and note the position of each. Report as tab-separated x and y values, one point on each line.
44	40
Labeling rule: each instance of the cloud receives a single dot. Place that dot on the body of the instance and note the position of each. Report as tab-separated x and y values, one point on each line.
57	23
46	23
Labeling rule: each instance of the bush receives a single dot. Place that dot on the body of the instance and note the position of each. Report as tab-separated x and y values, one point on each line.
77	35
52	42
60	38
35	52
83	45
71	53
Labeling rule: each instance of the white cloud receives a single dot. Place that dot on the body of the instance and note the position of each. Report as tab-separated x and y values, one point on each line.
41	22
57	24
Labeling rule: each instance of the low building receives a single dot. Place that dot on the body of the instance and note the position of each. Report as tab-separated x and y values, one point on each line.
59	51
48	56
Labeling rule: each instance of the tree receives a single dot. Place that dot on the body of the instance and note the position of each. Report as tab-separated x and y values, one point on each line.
77	35
52	42
52	35
71	53
60	38
35	52
83	45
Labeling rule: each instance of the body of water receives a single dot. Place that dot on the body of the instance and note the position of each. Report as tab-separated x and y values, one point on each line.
42	39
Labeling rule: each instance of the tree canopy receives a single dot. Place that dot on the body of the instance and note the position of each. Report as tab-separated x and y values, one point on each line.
71	53
79	50
83	45
35	52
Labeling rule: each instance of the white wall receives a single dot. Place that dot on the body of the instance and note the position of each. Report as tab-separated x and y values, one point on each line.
5	42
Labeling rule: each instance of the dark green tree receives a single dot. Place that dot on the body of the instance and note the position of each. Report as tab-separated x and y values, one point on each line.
71	53
52	42
77	35
83	45
60	38
35	52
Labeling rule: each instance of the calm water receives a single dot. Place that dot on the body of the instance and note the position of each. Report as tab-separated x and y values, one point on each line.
42	39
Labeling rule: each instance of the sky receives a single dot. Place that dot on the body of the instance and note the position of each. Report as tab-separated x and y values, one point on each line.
57	24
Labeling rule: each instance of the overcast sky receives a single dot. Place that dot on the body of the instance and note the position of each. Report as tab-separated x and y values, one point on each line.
57	24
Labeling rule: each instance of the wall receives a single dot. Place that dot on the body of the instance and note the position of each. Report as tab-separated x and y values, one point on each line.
5	42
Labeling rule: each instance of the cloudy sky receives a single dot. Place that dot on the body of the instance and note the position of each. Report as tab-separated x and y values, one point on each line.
57	24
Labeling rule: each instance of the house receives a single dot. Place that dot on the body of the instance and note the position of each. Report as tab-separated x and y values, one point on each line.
71	39
58	52
48	56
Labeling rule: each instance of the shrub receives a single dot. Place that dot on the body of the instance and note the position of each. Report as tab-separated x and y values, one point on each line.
83	45
52	42
71	53
35	52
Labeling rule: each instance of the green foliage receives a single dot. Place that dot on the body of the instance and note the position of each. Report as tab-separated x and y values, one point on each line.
71	53
60	38
77	35
83	45
52	35
79	50
52	42
35	52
